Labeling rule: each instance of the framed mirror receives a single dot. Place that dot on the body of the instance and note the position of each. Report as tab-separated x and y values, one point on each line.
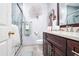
68	14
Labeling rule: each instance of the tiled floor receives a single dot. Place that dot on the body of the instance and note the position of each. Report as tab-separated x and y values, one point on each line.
31	50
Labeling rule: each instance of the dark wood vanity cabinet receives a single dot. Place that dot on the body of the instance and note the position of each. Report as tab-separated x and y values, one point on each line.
47	47
54	45
72	48
44	45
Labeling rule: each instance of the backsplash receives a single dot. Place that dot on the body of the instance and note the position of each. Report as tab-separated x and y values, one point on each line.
75	29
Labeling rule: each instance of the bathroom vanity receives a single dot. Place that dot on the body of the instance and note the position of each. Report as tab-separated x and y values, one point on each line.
57	43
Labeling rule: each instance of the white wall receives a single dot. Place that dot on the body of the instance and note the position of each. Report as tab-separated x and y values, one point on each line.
5	13
5	23
40	24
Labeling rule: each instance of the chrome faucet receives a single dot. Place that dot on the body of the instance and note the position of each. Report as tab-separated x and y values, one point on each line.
69	29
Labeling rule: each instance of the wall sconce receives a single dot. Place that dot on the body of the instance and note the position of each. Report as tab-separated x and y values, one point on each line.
52	15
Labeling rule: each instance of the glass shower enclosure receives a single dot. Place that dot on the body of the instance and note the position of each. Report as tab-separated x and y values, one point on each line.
17	18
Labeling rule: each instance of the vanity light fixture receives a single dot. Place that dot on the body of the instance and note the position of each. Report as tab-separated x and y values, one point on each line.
52	15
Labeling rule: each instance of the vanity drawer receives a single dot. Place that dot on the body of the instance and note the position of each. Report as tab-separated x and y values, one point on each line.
50	36
58	41
72	47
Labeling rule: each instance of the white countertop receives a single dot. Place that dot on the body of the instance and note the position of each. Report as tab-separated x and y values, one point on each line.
70	35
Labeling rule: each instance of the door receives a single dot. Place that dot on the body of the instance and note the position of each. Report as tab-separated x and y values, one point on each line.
4	37
3	48
14	40
5	22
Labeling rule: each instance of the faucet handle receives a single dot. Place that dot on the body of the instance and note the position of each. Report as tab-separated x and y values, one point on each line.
70	28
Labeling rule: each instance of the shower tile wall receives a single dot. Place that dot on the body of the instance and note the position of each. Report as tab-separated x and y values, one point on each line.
38	24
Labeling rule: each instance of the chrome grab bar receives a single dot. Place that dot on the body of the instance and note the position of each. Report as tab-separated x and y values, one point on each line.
76	54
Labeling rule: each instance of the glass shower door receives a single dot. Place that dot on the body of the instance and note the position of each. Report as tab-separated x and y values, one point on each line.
17	18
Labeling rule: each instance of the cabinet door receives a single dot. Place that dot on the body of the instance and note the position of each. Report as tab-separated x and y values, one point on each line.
45	47
72	48
49	49
52	51
58	52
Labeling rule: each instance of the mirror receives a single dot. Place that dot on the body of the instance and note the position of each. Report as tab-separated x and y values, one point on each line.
68	13
62	13
72	13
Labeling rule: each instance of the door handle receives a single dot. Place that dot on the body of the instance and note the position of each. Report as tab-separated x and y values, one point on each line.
10	33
